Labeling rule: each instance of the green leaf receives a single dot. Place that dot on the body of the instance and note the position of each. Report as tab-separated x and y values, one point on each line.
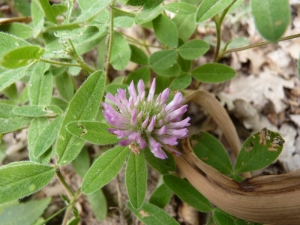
82	162
222	218
65	86
9	77
209	8
9	42
27	212
113	88
38	110
173	70
58	9
104	169
161	196
23	7
136	179
187	193
142	73
59	102
21	56
181	82
10	121
20	179
46	138
148	15
123	21
138	56
184	64
48	11
258	151
212	152
36	127
193	49
18	29
186	25
162	82
37	14
149	4
11	92
40	85
98	203
163	59
79	34
162	166
165	31
181	8
271	17
84	106
213	73
150	214
120	52
94	132
92	9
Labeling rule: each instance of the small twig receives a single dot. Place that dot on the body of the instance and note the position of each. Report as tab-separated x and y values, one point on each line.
259	44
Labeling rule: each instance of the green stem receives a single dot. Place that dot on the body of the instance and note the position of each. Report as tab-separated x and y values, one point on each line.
54	215
58	62
70	207
111	33
259	44
64	183
218	22
135	41
76	57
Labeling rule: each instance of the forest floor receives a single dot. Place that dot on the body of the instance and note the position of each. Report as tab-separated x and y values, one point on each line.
264	93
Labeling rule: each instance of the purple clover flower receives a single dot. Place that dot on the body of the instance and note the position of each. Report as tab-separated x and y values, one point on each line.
142	121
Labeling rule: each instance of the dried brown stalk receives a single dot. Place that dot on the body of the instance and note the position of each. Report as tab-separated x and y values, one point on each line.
271	199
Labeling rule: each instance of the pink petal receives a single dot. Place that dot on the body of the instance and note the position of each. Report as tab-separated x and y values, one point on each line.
175	103
180	124
151	91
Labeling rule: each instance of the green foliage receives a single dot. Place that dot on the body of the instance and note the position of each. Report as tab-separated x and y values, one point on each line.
163	59
271	17
181	8
213	73
193	49
136	179
165	30
161	196
48	88
209	8
27	213
9	120
120	53
20	179
222	218
47	137
82	162
98	204
21	56
104	169
187	193
162	166
212	152
258	151
150	214
82	107
94	132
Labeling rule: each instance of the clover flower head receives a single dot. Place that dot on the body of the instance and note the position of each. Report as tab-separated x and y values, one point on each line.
142	121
